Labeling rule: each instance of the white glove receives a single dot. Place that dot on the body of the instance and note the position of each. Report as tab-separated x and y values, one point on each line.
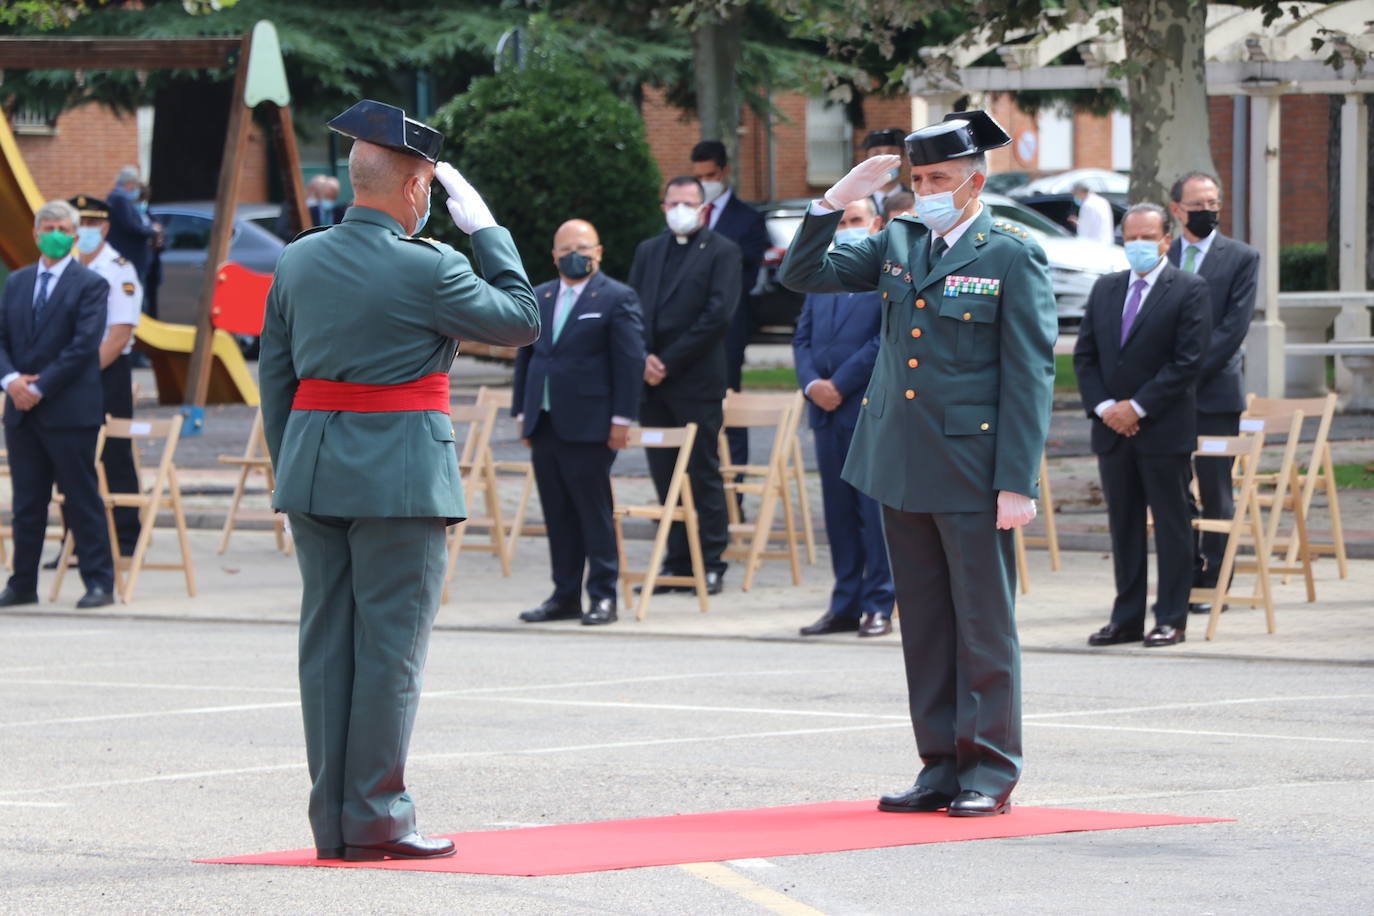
465	205
862	180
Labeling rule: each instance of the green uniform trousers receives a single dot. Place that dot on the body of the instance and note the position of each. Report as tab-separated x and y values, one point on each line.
955	576
370	591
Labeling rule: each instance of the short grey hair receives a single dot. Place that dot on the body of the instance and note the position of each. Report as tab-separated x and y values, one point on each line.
978	162
1080	185
127	174
1147	207
56	211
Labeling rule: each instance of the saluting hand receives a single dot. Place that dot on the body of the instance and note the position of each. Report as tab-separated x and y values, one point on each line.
862	180
1013	509
470	213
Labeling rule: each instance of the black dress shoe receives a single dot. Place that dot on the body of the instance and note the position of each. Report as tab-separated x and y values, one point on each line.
551	610
95	597
873	625
1164	635
715	582
52	564
1199	608
830	624
9	597
602	611
976	804
914	800
410	846
1112	634
332	852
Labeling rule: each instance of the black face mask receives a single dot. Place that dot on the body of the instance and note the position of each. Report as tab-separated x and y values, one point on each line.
574	266
1201	222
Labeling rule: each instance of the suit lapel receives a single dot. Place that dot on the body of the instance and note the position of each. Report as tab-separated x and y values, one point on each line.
1157	292
1216	256
548	305
23	301
964	252
653	277
1111	322
587	301
56	301
696	247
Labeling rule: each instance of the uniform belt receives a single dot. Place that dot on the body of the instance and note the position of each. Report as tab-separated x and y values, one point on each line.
429	392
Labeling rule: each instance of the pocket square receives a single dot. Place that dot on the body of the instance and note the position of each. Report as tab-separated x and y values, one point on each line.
588	315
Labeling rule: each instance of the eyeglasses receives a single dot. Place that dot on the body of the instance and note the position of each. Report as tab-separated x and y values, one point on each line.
1193	206
580	249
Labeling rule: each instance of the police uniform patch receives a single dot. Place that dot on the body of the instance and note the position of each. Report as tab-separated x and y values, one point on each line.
128	289
121	261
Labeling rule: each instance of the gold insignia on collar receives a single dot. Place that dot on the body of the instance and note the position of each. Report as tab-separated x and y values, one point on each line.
978	237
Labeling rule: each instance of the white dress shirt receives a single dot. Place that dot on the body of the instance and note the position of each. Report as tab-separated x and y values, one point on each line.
1149	279
1095	219
717	207
56	271
125	303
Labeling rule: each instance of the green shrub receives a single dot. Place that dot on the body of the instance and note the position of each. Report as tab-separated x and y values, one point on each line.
1302	267
551	143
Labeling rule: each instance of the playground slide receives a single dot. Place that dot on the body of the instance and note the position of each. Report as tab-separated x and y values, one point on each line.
19	200
168	347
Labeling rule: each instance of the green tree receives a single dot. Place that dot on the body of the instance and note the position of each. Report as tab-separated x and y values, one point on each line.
549	143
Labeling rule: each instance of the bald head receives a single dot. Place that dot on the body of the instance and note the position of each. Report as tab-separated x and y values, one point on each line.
573	238
395	183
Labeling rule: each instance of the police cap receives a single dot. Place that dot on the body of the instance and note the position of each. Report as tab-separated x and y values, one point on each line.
88	207
386	125
961	133
888	136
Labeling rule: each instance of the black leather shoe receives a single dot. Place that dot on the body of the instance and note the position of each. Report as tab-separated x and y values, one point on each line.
914	800
9	597
52	564
332	852
715	582
551	610
976	804
873	625
96	597
1112	634
600	612
1164	636
830	624
410	846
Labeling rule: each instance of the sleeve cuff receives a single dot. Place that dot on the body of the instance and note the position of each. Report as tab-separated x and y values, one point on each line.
622	421
1101	408
1139	411
33	386
817	210
5	382
806	392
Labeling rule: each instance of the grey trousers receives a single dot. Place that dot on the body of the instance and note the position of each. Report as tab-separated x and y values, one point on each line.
371	588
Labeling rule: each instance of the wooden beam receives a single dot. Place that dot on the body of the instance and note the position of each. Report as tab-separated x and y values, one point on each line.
226	200
116	53
284	138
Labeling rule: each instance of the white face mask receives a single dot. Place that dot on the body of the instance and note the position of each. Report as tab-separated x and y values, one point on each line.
683	218
938	210
713	189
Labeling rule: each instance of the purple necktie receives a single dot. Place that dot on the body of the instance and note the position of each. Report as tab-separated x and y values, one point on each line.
1132	307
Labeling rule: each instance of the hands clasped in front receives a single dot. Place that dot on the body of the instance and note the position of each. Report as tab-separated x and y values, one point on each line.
1122	419
22	394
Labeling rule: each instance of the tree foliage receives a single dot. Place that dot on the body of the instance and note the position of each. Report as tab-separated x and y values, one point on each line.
57	14
549	143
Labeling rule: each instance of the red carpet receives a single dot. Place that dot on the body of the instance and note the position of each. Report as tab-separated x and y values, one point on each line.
720	836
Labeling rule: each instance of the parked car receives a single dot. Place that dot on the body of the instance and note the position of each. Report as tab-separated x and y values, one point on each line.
187	228
1075	264
1103	181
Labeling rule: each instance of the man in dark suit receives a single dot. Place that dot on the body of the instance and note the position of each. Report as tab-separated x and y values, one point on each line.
1137	358
576	393
52	317
726	214
1231	269
688	282
834	350
131	232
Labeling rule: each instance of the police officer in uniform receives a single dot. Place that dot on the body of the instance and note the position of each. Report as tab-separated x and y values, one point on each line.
363	322
948	440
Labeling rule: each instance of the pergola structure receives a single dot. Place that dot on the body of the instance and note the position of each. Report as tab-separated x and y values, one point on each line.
1254	64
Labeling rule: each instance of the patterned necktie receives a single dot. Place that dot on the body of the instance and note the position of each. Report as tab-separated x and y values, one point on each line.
1132	309
937	248
560	318
706	215
43	280
1189	257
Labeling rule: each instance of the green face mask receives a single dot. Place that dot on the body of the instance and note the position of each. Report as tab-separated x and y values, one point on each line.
55	245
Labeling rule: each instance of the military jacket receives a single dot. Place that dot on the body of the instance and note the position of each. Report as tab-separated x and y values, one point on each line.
958	407
363	302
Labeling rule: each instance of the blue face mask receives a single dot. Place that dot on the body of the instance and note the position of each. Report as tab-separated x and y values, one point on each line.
88	239
1143	255
938	211
423	219
850	236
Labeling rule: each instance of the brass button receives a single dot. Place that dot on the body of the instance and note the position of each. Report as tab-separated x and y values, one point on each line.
884	294
865	402
984	427
910	394
967	315
913	363
915	332
920	303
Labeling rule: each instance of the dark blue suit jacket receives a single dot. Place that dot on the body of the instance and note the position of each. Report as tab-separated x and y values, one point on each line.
1231	270
837	338
63	350
743	225
595	370
130	232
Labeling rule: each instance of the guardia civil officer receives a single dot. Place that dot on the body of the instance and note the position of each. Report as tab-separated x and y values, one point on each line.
363	321
948	440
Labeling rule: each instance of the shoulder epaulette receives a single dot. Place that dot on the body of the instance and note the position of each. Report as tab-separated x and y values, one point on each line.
1007	227
311	231
428	242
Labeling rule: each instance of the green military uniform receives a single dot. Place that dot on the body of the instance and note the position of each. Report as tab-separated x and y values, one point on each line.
957	409
369	493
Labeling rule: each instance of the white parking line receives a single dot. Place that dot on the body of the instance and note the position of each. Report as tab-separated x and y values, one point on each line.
43	634
682	707
218	688
1200	704
1200	733
117	717
1186	793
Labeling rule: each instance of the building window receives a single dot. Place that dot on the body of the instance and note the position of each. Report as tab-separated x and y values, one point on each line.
1121	141
31	120
829	142
1056	139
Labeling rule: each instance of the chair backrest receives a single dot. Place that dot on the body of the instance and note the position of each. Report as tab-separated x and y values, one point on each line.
240	300
1323	408
1247	448
479	419
498	396
662	436
168	430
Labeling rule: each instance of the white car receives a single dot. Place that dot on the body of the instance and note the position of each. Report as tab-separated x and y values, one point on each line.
1103	181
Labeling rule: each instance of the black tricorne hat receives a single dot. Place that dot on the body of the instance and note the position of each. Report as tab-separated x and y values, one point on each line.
386	125
888	136
90	207
961	133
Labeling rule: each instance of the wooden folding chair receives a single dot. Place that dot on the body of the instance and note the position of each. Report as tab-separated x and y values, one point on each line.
164	492
254	460
794	478
479	480
677	506
749	540
1050	539
1246	524
1320	473
521	471
1280	490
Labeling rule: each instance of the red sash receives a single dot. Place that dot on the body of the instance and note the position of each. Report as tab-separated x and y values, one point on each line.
429	392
